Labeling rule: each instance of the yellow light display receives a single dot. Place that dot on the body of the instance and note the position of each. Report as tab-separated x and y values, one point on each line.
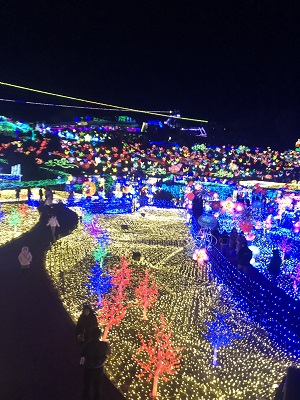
25	223
253	366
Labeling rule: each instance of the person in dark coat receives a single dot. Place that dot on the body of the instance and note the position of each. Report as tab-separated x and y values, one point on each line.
224	242
18	190
274	265
85	324
233	240
244	257
93	356
29	194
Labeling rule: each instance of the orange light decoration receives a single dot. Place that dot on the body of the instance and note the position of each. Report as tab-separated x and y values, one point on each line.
23	208
113	311
88	188
121	275
146	293
163	356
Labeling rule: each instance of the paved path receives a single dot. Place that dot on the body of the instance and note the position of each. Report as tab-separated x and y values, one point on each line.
39	357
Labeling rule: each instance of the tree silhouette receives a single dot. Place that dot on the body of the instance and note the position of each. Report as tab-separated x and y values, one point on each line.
220	334
161	357
146	293
112	312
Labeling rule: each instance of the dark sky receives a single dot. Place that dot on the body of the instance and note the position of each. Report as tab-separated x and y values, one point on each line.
235	63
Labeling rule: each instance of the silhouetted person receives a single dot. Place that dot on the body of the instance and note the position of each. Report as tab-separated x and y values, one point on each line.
197	206
274	265
239	241
85	324
244	257
232	240
71	196
224	242
93	356
29	194
18	190
41	194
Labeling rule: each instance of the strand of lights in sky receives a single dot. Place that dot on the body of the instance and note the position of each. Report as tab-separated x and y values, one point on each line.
71	106
99	103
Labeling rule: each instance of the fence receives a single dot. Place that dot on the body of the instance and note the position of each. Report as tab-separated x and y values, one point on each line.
265	304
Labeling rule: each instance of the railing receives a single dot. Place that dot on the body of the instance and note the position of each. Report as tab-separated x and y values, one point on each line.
265	304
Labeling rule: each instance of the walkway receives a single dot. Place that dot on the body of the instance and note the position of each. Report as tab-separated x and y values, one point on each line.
39	354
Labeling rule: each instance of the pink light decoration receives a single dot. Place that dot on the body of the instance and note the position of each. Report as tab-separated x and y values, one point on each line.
250	237
239	207
268	222
296	227
246	226
283	204
200	255
296	278
228	205
285	246
258	225
190	196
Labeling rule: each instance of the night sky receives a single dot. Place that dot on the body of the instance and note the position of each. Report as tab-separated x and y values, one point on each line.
234	63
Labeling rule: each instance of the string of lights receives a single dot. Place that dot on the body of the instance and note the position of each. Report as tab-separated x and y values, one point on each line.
252	366
100	103
72	106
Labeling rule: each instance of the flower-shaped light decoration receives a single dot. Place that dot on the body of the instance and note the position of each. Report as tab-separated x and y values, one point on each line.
228	206
246	226
201	256
175	168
